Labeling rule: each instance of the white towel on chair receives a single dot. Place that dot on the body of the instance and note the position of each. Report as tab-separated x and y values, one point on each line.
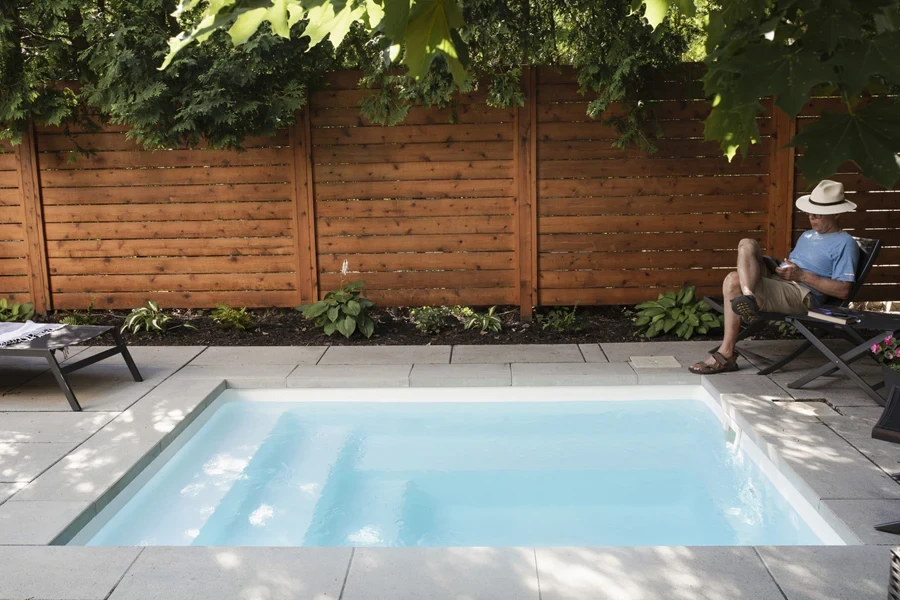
15	333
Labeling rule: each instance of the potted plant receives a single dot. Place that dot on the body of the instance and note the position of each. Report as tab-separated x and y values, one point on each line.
888	354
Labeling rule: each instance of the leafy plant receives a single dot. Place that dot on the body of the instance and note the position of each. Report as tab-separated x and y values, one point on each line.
150	318
343	310
887	352
681	312
561	319
231	318
77	318
430	319
486	322
14	311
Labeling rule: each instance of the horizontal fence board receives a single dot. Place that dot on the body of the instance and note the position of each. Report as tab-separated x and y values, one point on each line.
653	223
445	297
321	116
654	186
693	71
649	205
877	220
7	161
415	208
13	284
878	292
614	295
166	158
463	188
254	299
274	246
415	226
575	112
411	134
118	141
153	266
419	261
562	132
484	169
168	212
12	232
192	229
684	167
10	198
425	280
636	242
677	259
490	242
667	148
9	179
12	249
91	284
170	175
406	152
352	98
631	278
170	193
15	266
568	92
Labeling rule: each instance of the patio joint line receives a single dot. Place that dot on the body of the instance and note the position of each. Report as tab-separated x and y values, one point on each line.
321	356
766	567
863	454
116	584
583	358
347	573
537	573
450	359
205	348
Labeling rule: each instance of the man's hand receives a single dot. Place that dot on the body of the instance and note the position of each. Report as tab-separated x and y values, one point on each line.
789	271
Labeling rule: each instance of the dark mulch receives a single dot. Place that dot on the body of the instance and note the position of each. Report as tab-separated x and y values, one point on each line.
287	327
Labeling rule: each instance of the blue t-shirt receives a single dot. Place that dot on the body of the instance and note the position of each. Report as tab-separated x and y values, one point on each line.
832	255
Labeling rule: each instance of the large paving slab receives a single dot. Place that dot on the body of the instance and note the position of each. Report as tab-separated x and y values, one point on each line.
101	389
51	427
829	572
38	523
62	572
518	353
245	376
386	355
686	353
8	489
592	353
573	374
860	516
462	375
25	461
16	370
707	573
243	356
318	376
188	573
442	574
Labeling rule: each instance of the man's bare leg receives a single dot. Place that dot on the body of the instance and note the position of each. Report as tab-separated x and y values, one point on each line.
749	265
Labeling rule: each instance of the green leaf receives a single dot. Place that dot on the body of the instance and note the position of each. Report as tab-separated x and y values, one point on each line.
861	60
870	137
428	33
688	294
396	18
656	11
325	20
352	308
667	302
349	325
642	321
693	320
367	327
669	324
333	313
651	304
652	312
314	310
828	24
329	328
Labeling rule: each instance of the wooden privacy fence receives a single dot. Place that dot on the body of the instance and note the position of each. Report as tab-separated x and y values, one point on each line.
466	205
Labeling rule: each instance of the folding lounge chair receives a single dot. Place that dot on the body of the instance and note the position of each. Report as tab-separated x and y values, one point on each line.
888	429
868	253
68	335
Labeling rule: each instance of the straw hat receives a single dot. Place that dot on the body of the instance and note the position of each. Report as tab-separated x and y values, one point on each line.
826	199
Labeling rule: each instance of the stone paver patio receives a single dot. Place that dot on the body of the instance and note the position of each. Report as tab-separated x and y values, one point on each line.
58	468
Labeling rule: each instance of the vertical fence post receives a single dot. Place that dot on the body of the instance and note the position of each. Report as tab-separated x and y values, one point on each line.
304	209
525	173
35	238
781	185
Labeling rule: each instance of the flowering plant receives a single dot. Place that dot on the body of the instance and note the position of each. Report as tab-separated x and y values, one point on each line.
888	353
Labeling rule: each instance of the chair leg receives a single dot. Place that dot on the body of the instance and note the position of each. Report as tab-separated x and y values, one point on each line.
787	359
891	527
63	383
120	344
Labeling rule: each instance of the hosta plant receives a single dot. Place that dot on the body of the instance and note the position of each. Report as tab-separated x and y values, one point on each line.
229	317
430	319
486	322
150	317
343	310
680	312
14	311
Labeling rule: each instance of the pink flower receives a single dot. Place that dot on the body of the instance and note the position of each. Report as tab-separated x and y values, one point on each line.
889	339
874	348
889	355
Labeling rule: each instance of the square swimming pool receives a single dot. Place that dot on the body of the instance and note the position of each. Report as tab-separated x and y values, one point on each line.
556	466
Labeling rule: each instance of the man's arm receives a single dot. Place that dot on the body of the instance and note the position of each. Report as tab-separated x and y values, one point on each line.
829	287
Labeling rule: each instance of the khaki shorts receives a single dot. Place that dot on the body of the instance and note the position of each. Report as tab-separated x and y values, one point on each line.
775	294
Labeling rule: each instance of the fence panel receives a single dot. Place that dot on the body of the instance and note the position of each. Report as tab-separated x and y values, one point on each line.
184	227
14	282
424	211
621	225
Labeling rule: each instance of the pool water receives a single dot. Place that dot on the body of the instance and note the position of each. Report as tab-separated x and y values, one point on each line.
580	473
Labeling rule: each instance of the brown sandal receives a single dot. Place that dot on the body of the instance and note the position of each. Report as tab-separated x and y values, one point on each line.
723	365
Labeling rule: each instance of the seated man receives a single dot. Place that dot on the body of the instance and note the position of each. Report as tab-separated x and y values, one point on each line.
822	264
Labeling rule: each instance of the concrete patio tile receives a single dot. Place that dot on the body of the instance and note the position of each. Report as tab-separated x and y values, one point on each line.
94	389
654	362
807	411
51	427
442	574
829	572
171	405
248	573
385	355
592	353
517	353
265	375
245	356
176	356
686	353
861	516
740	382
463	375
573	374
76	573
337	376
696	573
38	523
25	461
666	376
8	489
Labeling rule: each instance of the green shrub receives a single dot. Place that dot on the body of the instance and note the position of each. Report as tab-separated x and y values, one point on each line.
231	318
681	312
150	318
76	318
430	319
561	320
14	311
343	310
486	322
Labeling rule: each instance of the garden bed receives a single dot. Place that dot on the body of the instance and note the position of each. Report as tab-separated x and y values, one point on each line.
287	327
